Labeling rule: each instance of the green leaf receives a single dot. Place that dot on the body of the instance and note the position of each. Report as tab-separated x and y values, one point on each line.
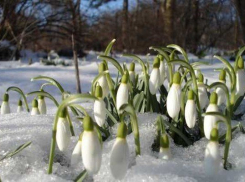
199	63
45	94
137	101
240	52
238	102
50	80
181	50
108	48
16	151
16	89
81	176
111	117
113	61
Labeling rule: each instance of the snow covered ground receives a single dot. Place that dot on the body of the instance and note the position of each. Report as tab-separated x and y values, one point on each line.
31	164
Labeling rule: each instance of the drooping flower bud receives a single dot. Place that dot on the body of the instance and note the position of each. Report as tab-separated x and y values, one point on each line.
122	92
161	69
240	75
173	98
99	107
42	105
35	110
91	147
103	81
63	133
164	152
120	153
5	109
212	157
202	92
220	92
155	77
190	110
20	107
210	121
132	72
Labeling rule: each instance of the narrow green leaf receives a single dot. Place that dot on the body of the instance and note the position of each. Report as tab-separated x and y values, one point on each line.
16	89
95	80
108	48
137	101
81	176
111	117
45	94
113	61
181	50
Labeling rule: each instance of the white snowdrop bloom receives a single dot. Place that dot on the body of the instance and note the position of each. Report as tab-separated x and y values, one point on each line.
20	107
154	77
5	108
220	92
99	107
119	159
42	105
77	152
190	110
240	76
63	133
164	152
202	92
35	110
132	72
210	121
103	81
173	98
212	157
162	70
91	147
122	92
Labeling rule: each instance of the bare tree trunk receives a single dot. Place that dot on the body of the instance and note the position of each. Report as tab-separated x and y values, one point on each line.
125	23
196	20
240	7
78	86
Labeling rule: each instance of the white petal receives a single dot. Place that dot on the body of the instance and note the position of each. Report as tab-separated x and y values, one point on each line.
209	121
190	113
99	112
119	158
19	109
154	80
91	152
63	134
5	109
165	153
212	159
76	154
173	100
240	86
221	96
103	83
162	72
132	76
35	111
42	106
122	95
202	95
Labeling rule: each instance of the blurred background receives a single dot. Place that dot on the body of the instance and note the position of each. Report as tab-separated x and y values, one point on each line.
80	25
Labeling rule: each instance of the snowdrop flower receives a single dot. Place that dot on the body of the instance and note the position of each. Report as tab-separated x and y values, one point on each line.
212	157
63	133
220	92
20	107
5	109
103	81
155	77
202	92
161	69
132	72
164	152
120	153
42	105
99	107
190	110
77	152
210	121
173	98
197	72
122	92
35	110
91	147
240	75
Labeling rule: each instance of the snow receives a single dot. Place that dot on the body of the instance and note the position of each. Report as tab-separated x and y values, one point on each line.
32	163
